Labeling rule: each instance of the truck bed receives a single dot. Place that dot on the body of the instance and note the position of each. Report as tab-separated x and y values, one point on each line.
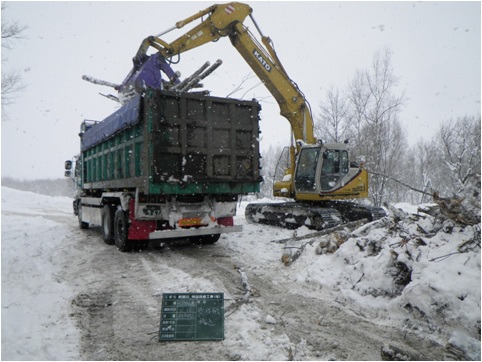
175	143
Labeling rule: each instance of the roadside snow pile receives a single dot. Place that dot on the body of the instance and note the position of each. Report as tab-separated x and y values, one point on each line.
35	299
420	269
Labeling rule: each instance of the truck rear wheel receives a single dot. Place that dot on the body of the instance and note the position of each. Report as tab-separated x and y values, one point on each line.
108	225
121	231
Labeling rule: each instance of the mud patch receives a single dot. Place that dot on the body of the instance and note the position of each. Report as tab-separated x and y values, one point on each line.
92	302
93	314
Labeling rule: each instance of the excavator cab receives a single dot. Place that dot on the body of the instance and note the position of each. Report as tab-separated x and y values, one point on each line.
321	169
334	167
324	172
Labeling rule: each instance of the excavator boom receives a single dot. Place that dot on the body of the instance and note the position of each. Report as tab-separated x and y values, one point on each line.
227	21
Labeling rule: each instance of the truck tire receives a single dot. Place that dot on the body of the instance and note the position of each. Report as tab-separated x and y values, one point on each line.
75	206
206	239
140	245
82	224
121	231
108	224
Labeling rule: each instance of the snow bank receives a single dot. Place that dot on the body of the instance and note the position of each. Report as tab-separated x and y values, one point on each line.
426	280
35	301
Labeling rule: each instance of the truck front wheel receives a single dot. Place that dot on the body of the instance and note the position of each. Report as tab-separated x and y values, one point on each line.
120	231
108	224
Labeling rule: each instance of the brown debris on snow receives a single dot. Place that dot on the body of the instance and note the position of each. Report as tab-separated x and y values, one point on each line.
464	207
453	208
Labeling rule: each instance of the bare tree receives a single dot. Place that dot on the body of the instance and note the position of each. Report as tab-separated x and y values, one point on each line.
11	31
423	163
269	162
444	170
11	80
333	123
380	140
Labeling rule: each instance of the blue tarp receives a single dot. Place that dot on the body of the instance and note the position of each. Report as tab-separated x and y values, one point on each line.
124	117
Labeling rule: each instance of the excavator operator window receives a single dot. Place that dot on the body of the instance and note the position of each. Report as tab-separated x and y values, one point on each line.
306	170
335	164
283	164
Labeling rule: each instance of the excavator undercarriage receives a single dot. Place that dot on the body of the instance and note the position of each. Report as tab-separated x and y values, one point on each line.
317	216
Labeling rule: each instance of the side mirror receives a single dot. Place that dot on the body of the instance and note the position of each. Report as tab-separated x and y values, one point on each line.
68	165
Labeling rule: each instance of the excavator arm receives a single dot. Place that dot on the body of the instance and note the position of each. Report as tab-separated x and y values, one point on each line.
226	20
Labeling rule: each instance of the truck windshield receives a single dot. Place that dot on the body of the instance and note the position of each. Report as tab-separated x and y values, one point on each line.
335	164
306	169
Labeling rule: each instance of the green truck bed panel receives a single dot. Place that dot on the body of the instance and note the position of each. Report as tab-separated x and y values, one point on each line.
182	143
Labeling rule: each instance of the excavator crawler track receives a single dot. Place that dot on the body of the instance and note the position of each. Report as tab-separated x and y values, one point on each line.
293	215
351	211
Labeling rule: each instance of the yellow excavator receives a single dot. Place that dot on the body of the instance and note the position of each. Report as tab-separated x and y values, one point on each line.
319	179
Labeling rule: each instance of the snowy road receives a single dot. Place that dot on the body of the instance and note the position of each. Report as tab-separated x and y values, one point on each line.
67	295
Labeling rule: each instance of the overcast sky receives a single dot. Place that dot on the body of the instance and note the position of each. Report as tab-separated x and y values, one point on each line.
435	45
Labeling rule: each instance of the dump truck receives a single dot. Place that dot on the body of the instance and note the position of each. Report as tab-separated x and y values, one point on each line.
167	165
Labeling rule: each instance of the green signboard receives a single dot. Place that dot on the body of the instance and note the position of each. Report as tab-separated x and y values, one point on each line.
192	317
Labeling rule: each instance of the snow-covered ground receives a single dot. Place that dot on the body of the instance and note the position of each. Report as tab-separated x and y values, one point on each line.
35	302
386	279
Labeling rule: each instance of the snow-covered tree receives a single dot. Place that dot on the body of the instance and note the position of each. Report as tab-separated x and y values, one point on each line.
456	168
458	153
447	169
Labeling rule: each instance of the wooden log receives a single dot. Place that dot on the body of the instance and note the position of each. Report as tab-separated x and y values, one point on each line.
183	83
350	225
392	353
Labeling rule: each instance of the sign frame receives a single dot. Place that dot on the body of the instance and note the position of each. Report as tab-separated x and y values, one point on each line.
192	317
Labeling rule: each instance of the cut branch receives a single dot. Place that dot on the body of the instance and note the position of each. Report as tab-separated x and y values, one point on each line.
247	287
351	224
289	257
400	182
